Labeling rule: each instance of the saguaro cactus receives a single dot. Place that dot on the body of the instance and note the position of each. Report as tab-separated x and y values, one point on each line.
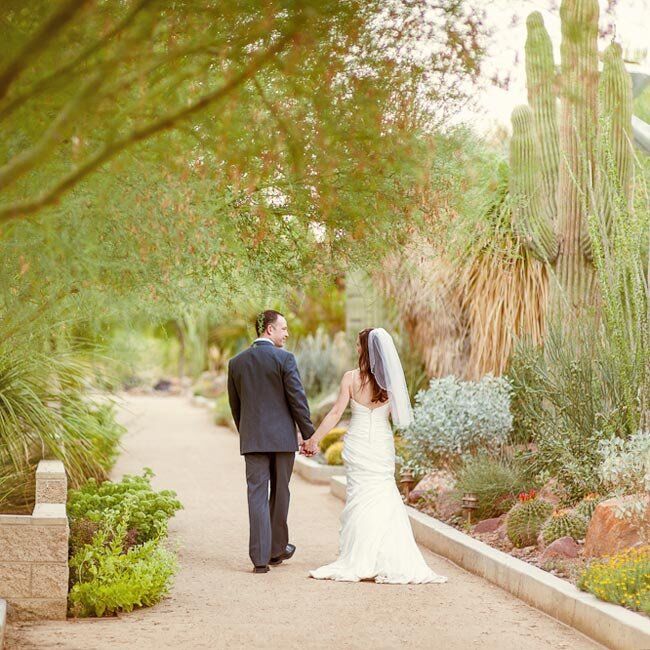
562	172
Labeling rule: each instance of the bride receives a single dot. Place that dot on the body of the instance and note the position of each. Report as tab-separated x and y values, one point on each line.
376	540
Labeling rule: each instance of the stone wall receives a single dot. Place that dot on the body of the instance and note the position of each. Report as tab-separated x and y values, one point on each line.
34	550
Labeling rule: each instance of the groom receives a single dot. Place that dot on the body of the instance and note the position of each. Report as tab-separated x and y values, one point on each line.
267	400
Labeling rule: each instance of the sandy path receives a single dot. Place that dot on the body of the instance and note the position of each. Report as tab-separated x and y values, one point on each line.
217	602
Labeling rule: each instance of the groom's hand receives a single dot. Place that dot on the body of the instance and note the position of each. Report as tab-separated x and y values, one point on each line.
311	447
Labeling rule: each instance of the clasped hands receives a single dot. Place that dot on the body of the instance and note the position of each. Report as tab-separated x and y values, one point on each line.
308	448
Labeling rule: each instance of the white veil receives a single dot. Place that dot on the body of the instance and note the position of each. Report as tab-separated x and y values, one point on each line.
387	370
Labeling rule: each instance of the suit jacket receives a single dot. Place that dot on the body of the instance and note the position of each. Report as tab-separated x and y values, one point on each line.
267	399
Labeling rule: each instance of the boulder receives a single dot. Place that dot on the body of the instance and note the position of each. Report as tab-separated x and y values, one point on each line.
564	547
447	505
608	533
432	484
488	525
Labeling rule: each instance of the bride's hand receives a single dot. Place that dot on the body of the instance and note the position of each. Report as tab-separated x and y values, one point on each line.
311	447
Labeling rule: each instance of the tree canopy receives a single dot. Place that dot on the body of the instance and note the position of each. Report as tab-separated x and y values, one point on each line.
159	151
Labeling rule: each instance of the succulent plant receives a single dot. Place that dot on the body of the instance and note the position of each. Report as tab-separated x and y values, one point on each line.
330	438
526	518
564	523
562	161
587	506
334	453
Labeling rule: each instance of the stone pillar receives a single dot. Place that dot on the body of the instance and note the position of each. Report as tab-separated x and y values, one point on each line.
34	551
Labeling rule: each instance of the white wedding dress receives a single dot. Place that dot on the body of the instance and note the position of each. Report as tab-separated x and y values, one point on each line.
376	540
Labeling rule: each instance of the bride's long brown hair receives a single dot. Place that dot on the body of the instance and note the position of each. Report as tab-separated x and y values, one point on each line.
378	393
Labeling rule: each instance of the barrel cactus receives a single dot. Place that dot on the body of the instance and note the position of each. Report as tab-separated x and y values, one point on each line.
564	523
526	518
330	438
562	163
334	454
587	506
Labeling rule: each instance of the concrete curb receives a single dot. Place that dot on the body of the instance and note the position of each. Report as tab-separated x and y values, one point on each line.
199	400
3	622
316	472
613	626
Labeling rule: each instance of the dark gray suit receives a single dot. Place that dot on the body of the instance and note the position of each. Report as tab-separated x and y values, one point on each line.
267	400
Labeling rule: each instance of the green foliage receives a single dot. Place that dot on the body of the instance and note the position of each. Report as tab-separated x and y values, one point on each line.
106	579
623	579
495	481
98	426
245	88
642	105
144	509
571	397
564	523
334	453
322	360
525	520
415	372
587	506
330	438
222	414
44	413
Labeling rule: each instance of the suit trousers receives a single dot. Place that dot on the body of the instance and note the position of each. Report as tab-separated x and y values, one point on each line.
267	477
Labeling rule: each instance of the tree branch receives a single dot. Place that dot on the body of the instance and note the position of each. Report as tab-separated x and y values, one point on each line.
37	43
22	209
46	82
24	161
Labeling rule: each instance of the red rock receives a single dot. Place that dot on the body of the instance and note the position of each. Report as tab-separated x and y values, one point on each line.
608	533
431	485
488	525
564	547
447	505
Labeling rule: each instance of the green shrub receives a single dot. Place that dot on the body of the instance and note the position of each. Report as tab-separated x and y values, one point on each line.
107	580
334	454
526	518
574	396
322	360
97	425
222	413
564	523
44	413
496	482
330	438
623	579
149	511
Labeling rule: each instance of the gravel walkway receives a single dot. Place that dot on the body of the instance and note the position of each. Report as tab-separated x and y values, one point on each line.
216	602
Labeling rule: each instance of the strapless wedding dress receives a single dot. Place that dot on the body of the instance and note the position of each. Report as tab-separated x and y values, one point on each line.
376	540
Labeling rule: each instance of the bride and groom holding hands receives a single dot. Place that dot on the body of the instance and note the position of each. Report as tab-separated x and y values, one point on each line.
268	401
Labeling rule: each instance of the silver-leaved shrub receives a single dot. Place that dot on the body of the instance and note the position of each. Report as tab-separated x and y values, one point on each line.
625	471
453	419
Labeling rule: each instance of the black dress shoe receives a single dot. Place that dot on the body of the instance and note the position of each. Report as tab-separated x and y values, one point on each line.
287	555
261	569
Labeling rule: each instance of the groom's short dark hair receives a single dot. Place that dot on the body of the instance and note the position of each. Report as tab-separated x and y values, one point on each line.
265	319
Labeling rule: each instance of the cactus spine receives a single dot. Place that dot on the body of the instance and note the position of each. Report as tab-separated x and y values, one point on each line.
587	506
564	523
542	98
615	138
525	520
556	175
